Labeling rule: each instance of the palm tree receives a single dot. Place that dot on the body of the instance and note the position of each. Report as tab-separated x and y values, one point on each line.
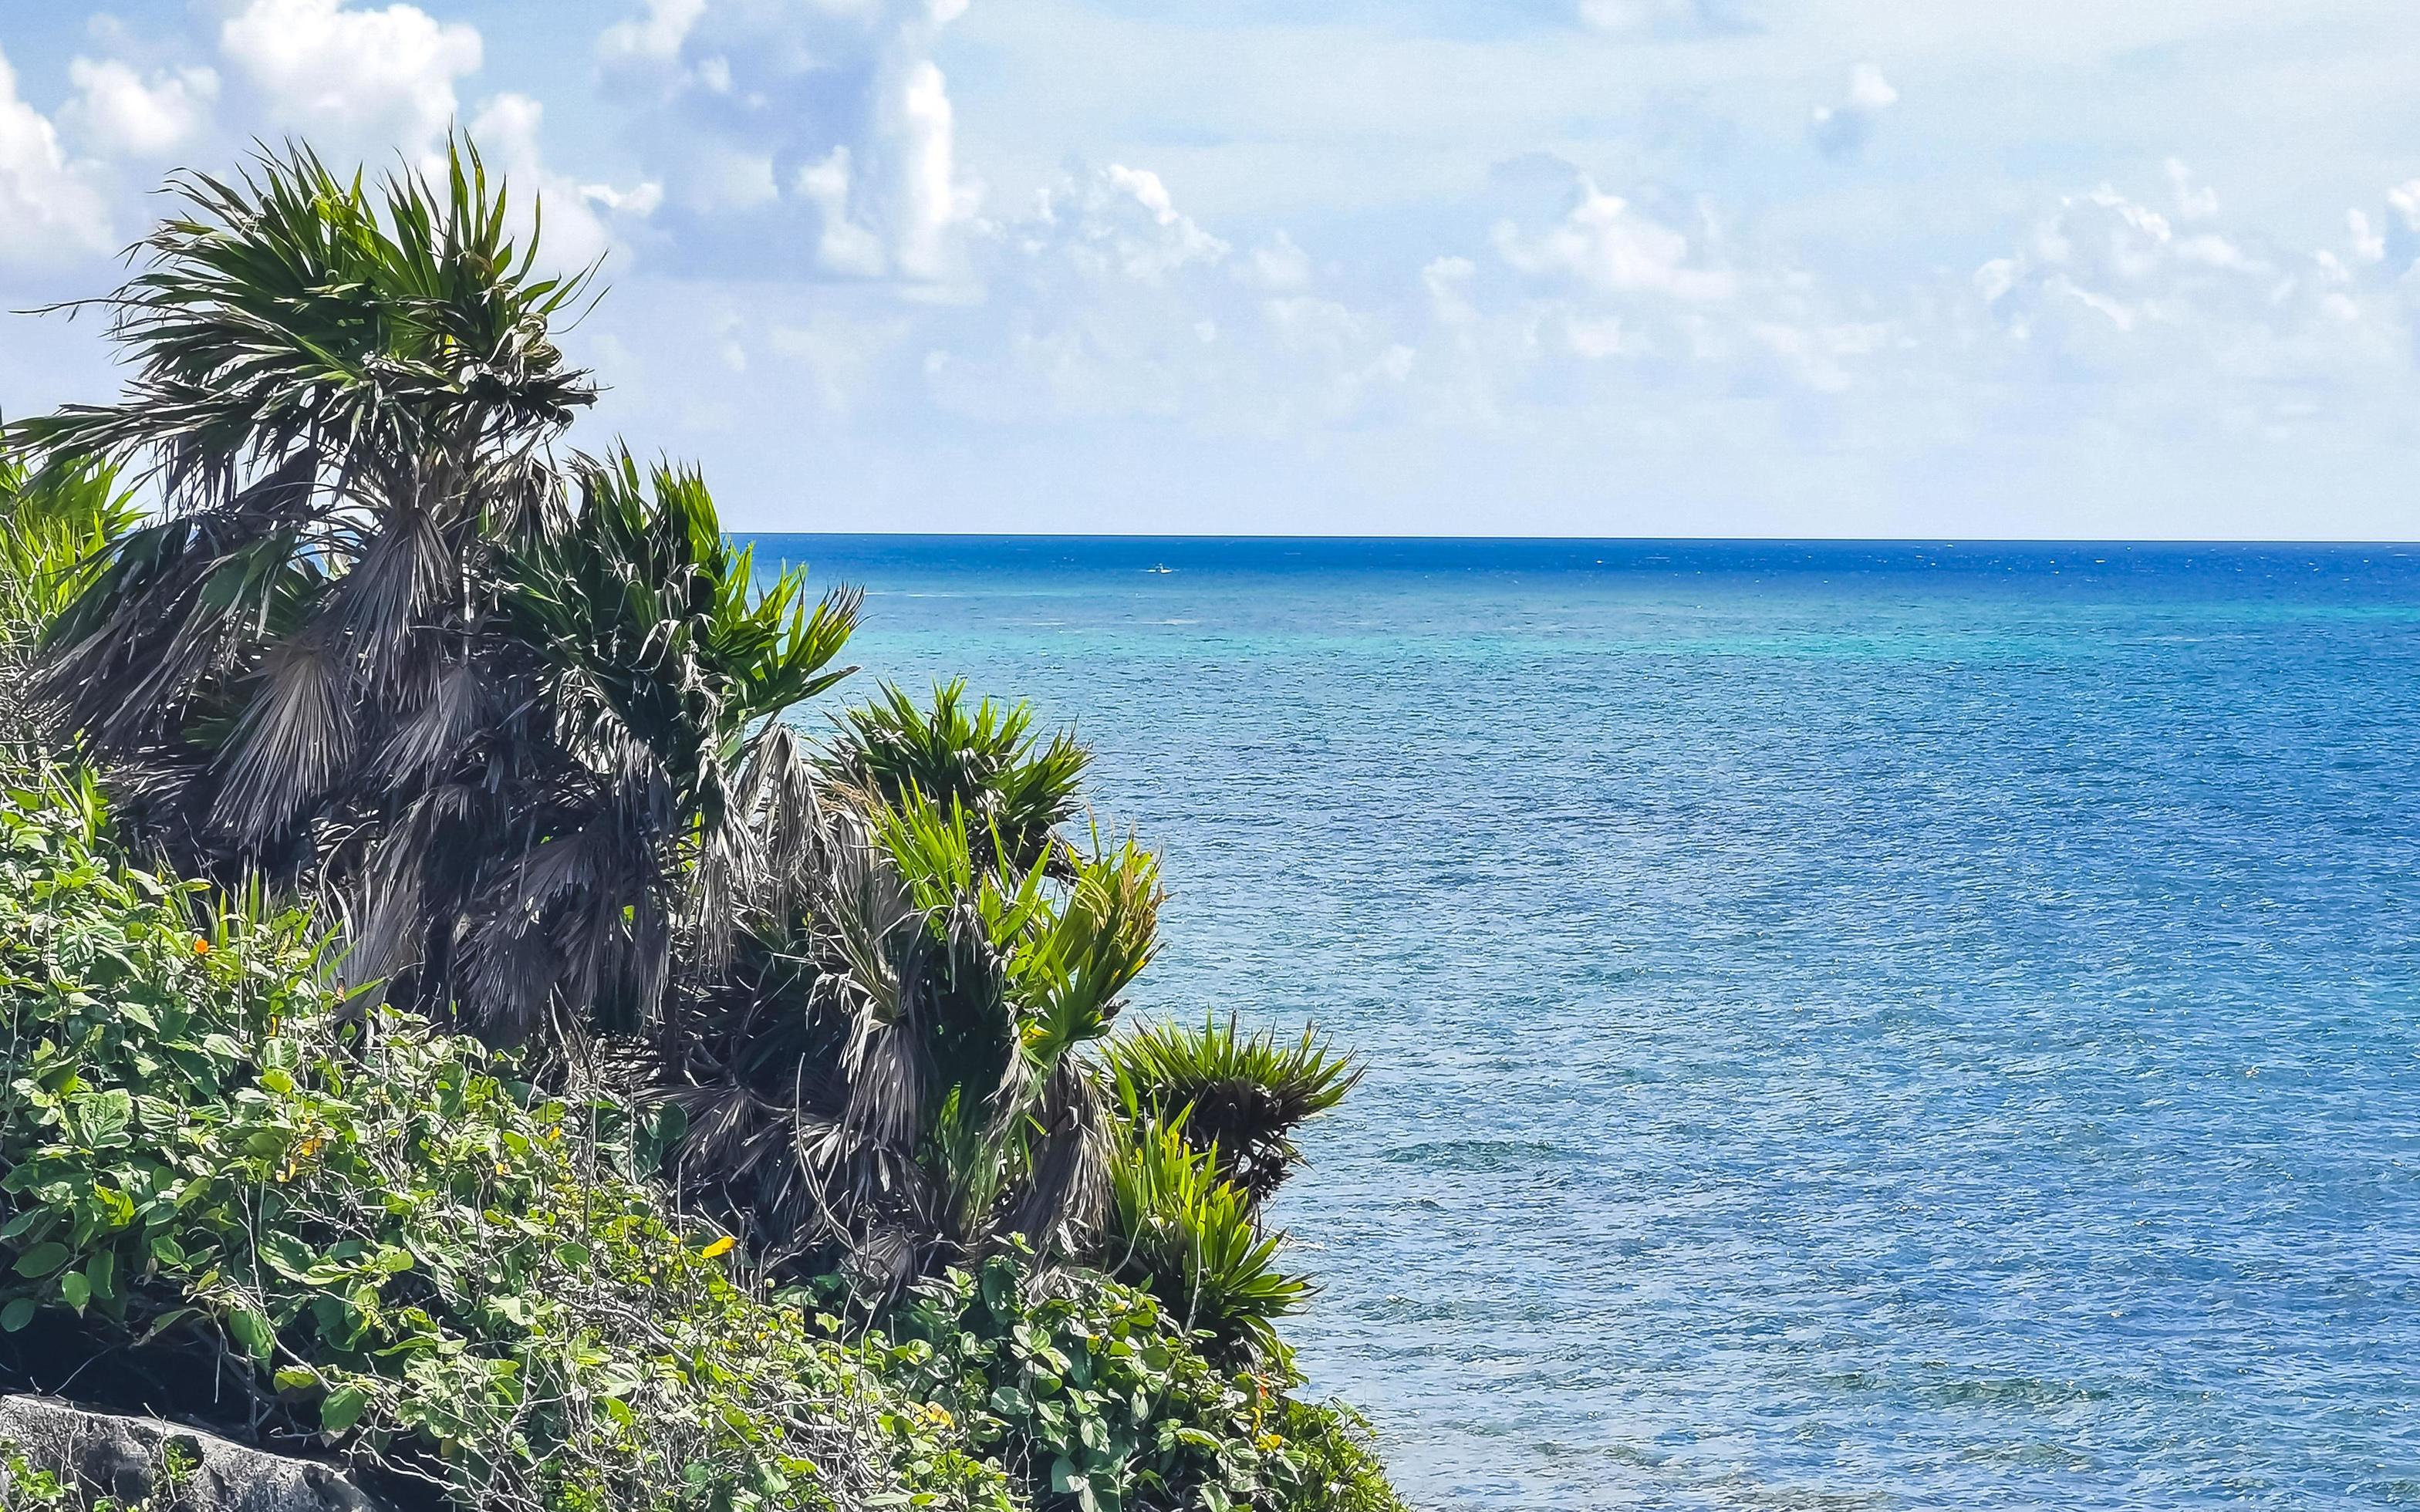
890	1076
355	650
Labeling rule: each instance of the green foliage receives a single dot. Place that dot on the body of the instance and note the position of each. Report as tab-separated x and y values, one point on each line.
371	1233
1176	1227
1240	1095
1336	1458
374	648
1014	787
655	625
890	1081
516	723
28	1484
1090	1397
293	311
54	523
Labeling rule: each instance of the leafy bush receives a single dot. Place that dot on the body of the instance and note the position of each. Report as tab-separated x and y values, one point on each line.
516	723
1091	1397
379	643
355	1229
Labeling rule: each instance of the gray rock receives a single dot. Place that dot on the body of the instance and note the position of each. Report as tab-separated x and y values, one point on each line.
126	1458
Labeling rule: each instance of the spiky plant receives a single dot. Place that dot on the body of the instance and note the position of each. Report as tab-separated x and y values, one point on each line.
380	640
1016	786
55	522
1239	1096
892	1076
1178	1228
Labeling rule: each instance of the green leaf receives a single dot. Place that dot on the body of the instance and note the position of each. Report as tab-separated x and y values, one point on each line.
42	1259
342	1409
75	1290
18	1313
1065	1477
286	1255
252	1332
101	1273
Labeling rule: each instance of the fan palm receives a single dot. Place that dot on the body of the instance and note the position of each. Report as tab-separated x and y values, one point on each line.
379	637
892	1074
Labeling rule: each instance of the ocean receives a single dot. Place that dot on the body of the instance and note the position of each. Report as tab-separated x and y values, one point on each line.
1849	1025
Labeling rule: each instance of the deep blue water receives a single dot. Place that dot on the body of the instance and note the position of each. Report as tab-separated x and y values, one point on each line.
1849	1025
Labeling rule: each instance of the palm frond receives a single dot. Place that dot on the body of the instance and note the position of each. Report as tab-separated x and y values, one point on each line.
1240	1095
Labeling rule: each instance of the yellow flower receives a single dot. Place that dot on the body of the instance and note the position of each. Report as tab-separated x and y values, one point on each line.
722	1246
1270	1440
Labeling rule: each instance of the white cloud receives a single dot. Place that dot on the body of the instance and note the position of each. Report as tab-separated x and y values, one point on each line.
1448	282
922	132
50	209
118	113
2193	204
1606	246
843	246
654	36
827	127
1145	253
506	130
354	80
1842	130
1279	266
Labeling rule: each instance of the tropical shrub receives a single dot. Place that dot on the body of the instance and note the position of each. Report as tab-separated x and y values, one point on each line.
1179	1228
1091	1397
242	1196
515	725
374	646
53	523
1238	1097
1015	787
891	1080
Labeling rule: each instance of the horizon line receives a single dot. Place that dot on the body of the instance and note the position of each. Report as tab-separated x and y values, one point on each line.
2126	541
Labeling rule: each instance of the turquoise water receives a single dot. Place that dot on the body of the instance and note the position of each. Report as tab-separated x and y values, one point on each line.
1850	1026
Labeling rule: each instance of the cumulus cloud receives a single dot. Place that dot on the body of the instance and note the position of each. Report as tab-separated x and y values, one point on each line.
2183	324
51	208
1842	130
653	37
1605	244
507	129
1279	266
2103	260
828	129
120	113
356	81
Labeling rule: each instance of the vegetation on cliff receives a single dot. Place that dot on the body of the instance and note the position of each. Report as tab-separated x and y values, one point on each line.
454	1019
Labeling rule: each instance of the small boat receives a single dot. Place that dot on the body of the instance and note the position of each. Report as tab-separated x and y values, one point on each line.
1160	568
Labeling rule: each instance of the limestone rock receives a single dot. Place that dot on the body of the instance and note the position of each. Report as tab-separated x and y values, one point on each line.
128	1458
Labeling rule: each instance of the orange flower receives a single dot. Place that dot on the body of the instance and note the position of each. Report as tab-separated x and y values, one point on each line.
201	946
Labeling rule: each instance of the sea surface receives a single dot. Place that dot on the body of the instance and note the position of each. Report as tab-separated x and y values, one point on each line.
1849	1025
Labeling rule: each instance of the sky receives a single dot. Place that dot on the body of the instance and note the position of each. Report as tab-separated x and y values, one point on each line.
1924	268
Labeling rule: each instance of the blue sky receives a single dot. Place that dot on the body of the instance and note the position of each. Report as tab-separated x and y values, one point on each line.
1603	266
